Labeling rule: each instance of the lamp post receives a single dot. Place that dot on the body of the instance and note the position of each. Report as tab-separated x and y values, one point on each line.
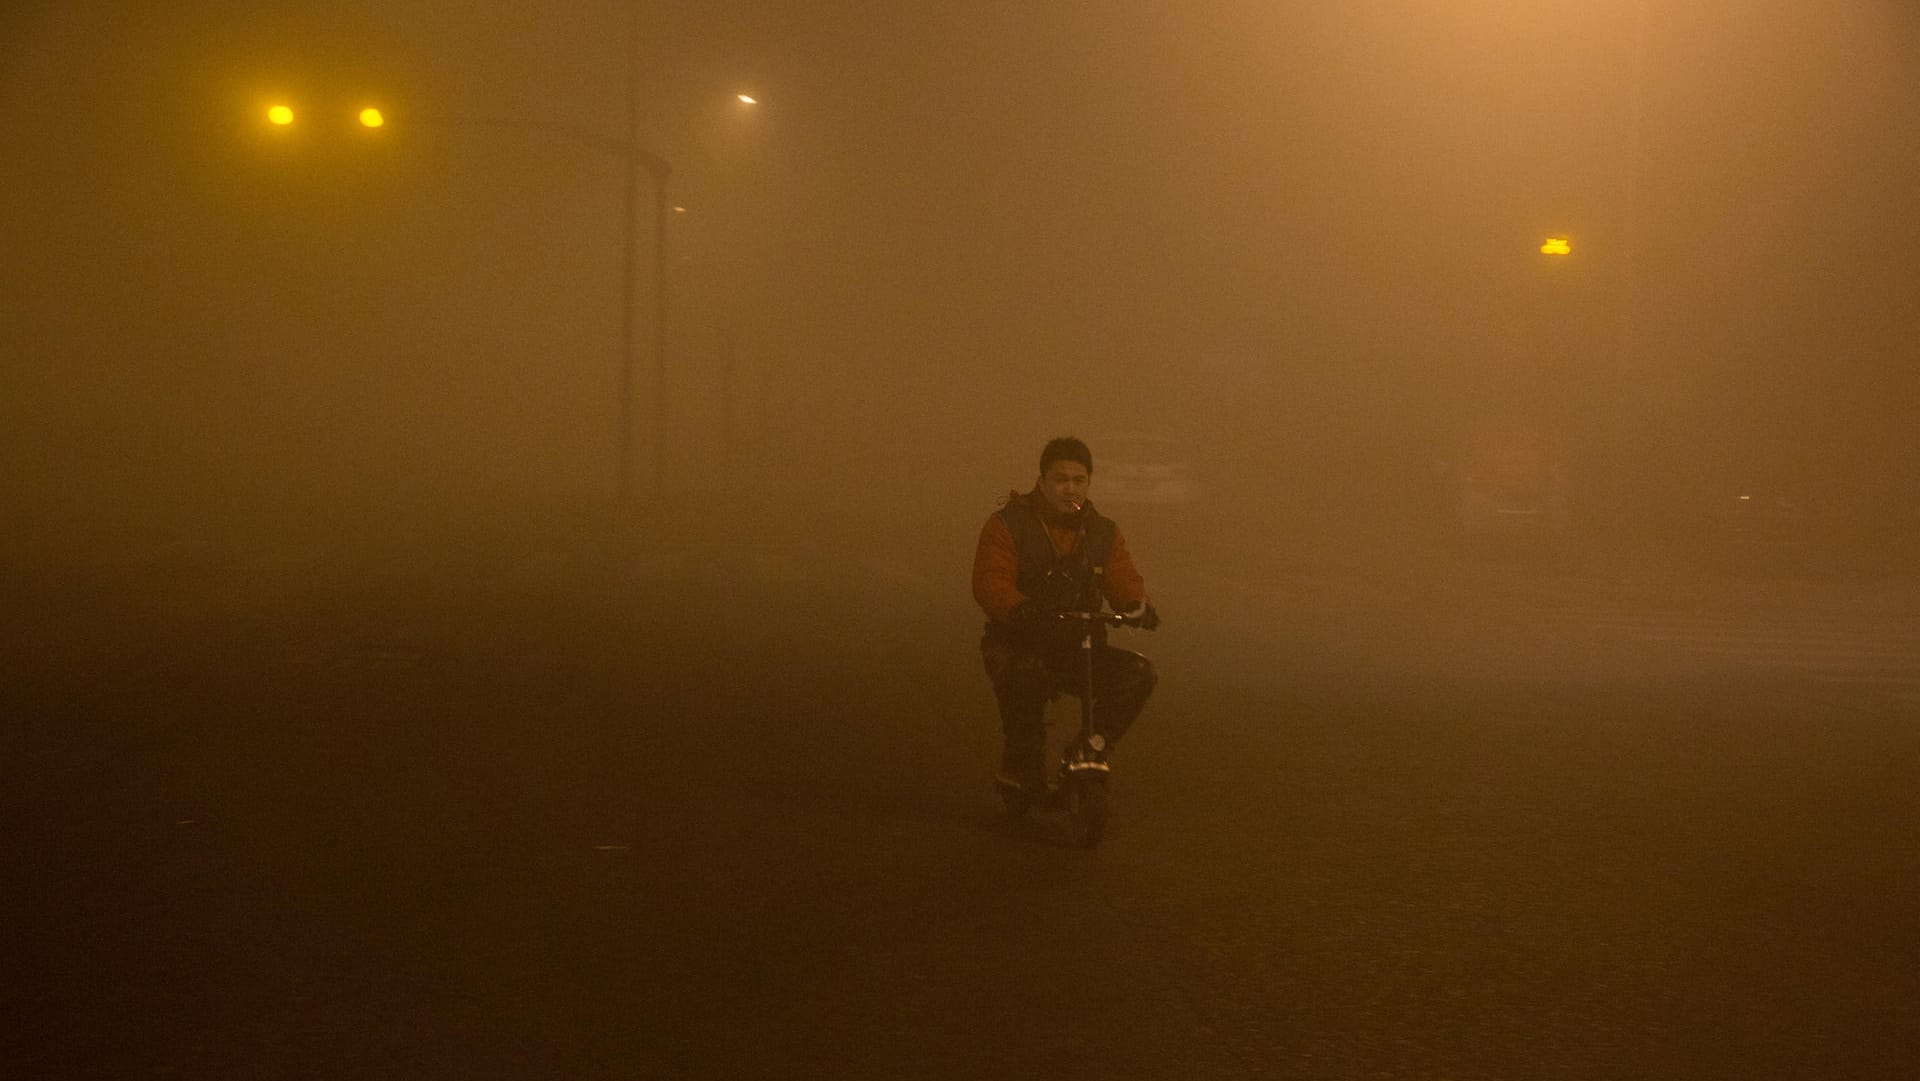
1626	363
656	165
636	160
1630	225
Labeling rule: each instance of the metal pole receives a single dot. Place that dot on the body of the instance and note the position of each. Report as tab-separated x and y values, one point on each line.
660	210
626	346
625	456
628	151
728	420
1630	225
1625	367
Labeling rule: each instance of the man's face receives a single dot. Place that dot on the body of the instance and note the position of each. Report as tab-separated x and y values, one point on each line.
1064	486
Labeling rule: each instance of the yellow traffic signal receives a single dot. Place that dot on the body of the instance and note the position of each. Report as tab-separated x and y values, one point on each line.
281	115
371	118
1557	245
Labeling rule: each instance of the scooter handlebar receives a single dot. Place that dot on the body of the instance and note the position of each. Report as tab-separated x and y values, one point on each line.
1111	619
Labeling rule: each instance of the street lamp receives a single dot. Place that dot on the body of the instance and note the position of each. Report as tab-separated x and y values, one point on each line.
280	115
636	160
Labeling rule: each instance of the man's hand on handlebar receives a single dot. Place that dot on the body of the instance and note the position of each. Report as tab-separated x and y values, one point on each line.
1026	613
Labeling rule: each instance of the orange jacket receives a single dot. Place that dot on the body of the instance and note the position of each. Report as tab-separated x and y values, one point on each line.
996	566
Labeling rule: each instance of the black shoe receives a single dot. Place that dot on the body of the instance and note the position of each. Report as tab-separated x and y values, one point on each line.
1021	776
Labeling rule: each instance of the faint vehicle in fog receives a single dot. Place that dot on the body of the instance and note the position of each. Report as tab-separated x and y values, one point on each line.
1509	487
1131	468
1756	523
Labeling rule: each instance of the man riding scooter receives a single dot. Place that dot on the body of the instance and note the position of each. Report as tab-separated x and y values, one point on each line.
1044	552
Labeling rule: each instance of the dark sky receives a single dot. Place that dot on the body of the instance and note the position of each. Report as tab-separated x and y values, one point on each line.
947	232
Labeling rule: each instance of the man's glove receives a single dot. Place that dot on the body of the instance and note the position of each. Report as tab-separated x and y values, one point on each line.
1143	616
1026	613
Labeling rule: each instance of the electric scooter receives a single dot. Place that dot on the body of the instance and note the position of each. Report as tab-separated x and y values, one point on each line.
1078	789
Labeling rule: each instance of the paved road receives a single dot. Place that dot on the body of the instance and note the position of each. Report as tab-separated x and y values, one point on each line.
511	809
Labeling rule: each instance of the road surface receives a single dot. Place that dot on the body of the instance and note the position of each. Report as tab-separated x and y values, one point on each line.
492	806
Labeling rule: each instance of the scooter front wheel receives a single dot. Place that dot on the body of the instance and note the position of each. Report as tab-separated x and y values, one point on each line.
1087	807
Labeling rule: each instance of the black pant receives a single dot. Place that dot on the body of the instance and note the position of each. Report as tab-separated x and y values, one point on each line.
1025	680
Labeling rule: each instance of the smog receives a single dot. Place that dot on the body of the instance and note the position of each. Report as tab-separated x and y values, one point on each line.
492	488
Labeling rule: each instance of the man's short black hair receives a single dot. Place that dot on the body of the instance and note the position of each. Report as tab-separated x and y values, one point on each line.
1065	449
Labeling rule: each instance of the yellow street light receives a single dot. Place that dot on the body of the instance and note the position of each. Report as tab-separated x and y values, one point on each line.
1557	245
746	99
281	115
371	118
